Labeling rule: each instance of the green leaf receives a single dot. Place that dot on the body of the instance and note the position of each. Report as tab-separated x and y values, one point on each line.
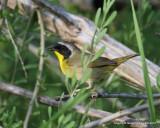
36	113
74	79
98	13
49	112
17	125
67	119
60	120
71	125
158	81
99	53
82	95
110	19
31	66
86	76
106	9
67	84
105	4
100	35
21	81
12	114
144	66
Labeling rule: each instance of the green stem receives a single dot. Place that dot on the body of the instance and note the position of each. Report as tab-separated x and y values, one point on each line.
144	66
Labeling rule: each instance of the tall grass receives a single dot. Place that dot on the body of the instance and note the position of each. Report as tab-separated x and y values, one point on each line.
144	66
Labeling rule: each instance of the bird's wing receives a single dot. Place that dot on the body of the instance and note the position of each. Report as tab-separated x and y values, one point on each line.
102	62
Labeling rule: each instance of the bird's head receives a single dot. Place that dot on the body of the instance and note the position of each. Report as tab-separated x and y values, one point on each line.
62	50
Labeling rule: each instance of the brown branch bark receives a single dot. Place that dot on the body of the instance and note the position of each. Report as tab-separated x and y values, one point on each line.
15	90
80	31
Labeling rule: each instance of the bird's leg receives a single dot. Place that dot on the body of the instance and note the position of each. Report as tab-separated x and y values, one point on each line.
89	82
94	94
74	93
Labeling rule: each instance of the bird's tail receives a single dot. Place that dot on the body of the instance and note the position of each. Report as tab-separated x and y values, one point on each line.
123	59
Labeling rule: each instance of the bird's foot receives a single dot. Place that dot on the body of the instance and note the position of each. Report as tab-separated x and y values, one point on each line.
94	95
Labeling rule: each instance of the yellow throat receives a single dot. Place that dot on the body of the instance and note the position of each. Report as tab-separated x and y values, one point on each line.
63	63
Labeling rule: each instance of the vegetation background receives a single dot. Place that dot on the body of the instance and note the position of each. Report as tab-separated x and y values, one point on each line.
13	108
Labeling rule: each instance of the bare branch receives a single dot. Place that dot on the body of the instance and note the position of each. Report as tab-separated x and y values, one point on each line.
113	95
39	73
125	95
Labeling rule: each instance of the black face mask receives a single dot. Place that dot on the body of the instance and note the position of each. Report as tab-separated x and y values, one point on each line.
62	49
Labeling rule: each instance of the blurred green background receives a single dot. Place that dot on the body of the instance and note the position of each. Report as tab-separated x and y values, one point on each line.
13	108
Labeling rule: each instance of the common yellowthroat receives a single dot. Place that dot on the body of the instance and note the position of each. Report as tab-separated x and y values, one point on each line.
69	57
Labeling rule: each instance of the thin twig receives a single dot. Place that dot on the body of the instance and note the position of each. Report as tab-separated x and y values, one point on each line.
114	95
40	70
16	48
126	95
119	114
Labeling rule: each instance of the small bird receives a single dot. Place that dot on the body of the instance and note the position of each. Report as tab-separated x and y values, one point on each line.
70	62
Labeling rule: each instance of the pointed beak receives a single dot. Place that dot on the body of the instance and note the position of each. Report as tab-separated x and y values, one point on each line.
51	48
